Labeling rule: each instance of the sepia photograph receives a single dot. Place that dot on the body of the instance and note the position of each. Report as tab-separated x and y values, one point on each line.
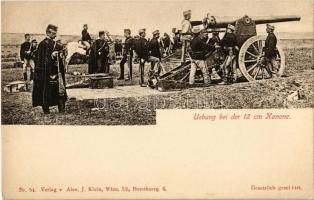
117	62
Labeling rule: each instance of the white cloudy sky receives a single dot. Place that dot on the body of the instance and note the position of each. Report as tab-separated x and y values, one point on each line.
114	16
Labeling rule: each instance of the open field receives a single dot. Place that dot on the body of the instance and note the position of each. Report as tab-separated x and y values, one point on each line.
17	109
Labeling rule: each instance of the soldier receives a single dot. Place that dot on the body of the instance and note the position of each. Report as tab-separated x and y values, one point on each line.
86	38
229	42
34	49
118	47
98	59
143	54
49	77
127	54
186	34
154	52
166	43
270	48
213	41
198	55
25	55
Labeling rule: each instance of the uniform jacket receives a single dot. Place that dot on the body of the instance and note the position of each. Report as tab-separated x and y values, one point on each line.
86	36
128	46
46	85
154	48
186	30
199	48
24	48
229	40
142	48
270	45
99	52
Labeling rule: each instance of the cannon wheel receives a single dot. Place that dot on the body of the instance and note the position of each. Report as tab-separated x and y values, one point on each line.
252	63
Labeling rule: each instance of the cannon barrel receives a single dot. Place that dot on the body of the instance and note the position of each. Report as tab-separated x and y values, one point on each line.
222	22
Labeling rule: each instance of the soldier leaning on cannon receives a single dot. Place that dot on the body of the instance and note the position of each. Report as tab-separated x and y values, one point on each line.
127	54
49	77
186	34
229	42
98	59
199	51
270	49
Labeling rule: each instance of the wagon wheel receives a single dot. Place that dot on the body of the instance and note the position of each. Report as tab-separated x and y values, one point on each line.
252	63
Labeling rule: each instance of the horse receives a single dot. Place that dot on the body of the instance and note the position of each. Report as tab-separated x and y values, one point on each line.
70	49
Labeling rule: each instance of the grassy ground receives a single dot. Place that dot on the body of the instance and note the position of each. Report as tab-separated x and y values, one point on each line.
17	109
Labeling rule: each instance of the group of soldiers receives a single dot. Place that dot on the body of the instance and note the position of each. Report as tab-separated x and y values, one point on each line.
48	72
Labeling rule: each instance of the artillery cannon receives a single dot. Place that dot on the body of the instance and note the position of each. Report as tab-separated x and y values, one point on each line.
250	61
250	56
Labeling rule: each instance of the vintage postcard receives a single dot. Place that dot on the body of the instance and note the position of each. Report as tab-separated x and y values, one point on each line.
162	99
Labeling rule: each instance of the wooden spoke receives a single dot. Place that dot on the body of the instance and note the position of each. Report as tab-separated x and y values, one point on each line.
255	76
251	54
256	50
260	46
249	61
250	69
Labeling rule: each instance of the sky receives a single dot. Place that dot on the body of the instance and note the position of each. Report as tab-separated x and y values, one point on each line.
114	16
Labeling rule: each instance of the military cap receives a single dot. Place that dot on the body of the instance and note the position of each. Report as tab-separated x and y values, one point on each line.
187	12
156	32
270	27
196	30
101	33
84	25
26	34
127	30
34	40
143	30
52	27
231	27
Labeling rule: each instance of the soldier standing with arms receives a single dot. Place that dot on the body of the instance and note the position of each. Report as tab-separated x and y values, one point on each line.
98	59
186	34
198	55
143	54
127	54
229	42
49	77
270	49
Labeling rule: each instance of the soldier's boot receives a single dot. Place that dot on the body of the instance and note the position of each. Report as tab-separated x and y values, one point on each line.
25	76
61	106
32	75
121	77
46	109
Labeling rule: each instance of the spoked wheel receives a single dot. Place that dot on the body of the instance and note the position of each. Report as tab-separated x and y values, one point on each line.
252	62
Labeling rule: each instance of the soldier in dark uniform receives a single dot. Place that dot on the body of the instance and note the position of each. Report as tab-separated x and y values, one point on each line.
86	38
127	54
213	41
118	47
154	51
198	55
25	55
166	44
33	56
49	88
270	49
229	42
143	54
98	59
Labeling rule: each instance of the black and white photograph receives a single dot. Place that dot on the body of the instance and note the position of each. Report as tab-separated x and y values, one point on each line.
118	62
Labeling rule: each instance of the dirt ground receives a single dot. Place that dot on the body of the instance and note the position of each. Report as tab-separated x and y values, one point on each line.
17	107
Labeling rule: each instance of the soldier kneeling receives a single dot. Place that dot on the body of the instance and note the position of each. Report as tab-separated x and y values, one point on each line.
198	55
